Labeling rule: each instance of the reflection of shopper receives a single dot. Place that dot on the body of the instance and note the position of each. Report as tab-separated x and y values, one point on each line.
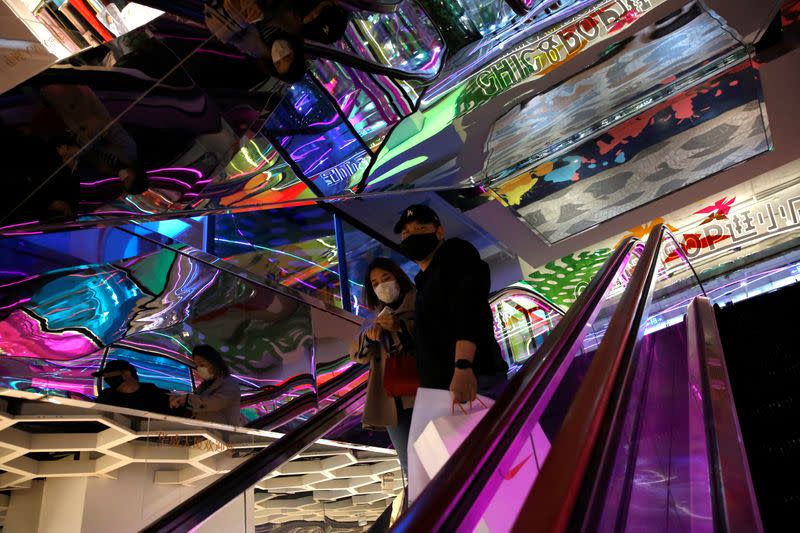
218	397
273	31
390	295
125	390
38	186
106	149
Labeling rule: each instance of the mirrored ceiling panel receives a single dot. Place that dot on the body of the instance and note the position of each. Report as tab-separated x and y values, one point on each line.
70	300
686	138
639	70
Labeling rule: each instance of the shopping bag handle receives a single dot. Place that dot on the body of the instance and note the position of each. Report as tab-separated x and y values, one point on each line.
461	405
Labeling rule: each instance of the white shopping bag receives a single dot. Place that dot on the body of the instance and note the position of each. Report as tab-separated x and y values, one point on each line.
435	433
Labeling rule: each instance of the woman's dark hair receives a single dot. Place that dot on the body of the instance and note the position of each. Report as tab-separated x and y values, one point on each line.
328	26
384	263
212	356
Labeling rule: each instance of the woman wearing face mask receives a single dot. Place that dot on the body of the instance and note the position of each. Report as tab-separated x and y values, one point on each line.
390	295
217	398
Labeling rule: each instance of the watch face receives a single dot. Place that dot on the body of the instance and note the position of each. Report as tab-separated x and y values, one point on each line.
463	363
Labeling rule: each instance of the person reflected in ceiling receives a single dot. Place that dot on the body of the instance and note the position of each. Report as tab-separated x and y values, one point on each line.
40	188
273	31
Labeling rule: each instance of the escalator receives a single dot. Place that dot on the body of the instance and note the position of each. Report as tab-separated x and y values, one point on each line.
585	321
534	311
645	429
687	421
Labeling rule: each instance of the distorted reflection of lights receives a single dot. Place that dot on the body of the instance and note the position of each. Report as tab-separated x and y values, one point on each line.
23	280
178	169
20	224
281	252
651	477
171	180
16	304
89	184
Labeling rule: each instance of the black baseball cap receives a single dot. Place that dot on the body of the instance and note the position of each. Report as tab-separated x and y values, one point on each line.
114	366
417	213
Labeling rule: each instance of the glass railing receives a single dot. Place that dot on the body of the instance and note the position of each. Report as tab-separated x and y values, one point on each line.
656	468
522	320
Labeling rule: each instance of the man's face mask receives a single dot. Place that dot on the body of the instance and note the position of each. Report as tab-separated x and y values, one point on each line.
113	381
420	245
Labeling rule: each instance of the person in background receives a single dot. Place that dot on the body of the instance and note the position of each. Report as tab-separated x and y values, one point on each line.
453	327
273	31
125	390
390	295
218	397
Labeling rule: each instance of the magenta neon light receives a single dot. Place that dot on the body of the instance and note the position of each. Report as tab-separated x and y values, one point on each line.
23	280
20	224
173	180
15	304
99	182
177	169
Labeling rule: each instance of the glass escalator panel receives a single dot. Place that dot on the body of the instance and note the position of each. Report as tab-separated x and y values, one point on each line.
501	498
315	139
655	470
522	320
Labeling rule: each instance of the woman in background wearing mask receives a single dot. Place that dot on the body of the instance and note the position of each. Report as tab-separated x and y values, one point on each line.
390	295
217	398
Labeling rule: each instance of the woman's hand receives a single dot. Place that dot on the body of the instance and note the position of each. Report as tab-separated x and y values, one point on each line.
374	332
177	400
388	322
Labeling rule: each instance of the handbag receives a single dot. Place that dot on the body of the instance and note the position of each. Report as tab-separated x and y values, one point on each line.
400	377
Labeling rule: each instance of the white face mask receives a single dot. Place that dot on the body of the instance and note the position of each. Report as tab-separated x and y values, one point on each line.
204	373
388	291
281	49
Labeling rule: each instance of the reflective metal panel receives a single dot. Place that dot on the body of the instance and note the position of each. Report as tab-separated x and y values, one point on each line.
60	321
702	131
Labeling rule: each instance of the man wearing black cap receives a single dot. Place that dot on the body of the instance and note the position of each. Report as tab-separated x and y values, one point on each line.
453	327
124	389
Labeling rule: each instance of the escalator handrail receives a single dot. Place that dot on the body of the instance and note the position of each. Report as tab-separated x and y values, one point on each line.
549	505
298	406
530	292
449	500
284	413
733	496
203	504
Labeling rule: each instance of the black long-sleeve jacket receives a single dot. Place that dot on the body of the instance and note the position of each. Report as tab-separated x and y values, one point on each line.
452	305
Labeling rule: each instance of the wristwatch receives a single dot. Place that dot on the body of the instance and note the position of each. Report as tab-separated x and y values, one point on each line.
463	364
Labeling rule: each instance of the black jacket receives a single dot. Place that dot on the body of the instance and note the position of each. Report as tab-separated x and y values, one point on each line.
452	305
148	398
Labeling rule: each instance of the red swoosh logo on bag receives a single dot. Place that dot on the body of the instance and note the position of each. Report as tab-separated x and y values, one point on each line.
515	469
